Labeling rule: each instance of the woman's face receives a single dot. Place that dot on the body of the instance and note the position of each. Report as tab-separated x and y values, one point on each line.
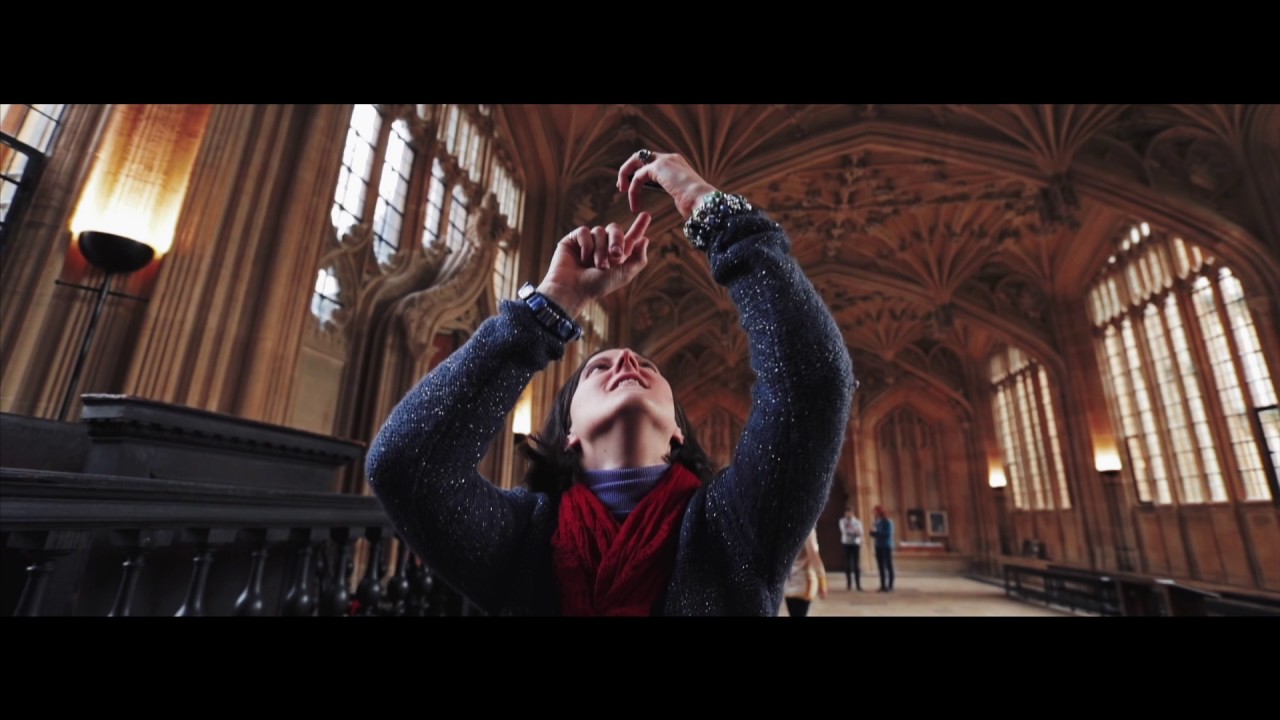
621	386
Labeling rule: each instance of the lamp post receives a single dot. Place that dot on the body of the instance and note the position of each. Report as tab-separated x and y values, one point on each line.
1108	466
114	255
996	479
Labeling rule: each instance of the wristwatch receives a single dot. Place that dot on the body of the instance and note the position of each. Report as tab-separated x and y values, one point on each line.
549	314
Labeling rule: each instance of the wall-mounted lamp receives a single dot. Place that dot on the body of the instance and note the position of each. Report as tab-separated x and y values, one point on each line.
1107	463
114	255
997	480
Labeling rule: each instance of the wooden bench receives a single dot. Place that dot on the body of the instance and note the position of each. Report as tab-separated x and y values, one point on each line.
1128	594
1229	605
1063	587
1025	581
1083	591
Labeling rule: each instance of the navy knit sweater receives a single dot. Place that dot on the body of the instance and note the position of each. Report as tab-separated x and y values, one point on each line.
740	532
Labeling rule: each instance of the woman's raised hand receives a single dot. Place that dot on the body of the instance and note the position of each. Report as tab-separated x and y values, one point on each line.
669	171
590	263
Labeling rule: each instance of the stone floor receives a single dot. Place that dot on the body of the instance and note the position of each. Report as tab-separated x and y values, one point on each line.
924	595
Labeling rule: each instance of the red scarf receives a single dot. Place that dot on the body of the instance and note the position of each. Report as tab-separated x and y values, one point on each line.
604	568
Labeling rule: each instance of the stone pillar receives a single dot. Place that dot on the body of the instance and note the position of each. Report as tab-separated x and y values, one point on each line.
224	324
298	241
1087	421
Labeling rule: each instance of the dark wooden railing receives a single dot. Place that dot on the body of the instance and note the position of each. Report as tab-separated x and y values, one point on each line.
1127	594
153	509
80	544
1036	582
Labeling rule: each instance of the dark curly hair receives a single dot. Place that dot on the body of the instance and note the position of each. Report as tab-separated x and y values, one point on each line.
553	469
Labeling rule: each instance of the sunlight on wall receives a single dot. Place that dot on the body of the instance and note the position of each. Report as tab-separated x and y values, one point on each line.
139	179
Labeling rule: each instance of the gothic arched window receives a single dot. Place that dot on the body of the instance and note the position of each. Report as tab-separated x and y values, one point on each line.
26	134
1027	432
325	300
504	271
508	195
357	167
388	148
435	205
1189	388
393	191
458	212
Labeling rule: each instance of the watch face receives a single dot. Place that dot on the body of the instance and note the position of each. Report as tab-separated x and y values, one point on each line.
525	291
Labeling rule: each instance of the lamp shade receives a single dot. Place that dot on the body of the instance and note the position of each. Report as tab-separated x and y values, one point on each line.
1106	460
114	253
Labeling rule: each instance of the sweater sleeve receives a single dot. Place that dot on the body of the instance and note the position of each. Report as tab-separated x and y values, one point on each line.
422	464
782	469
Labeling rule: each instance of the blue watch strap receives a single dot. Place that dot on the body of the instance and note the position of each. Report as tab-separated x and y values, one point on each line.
550	315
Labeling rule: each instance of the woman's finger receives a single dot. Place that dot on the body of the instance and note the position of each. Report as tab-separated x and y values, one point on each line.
641	176
633	163
635	232
617	243
600	247
639	256
582	238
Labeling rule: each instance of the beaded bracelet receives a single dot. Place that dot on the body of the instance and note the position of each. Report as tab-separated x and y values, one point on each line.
711	215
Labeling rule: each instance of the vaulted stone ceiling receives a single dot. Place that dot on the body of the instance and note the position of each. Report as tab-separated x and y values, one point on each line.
934	232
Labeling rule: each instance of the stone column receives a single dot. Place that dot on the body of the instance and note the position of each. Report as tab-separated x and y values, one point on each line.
225	321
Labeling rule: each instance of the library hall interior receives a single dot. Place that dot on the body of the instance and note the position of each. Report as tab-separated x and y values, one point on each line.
770	360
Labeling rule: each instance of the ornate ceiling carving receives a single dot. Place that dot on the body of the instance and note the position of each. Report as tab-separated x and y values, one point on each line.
933	232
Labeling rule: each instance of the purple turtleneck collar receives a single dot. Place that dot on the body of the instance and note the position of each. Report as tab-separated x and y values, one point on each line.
621	490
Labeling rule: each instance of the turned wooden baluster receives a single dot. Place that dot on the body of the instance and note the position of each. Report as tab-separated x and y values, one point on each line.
301	600
137	543
205	541
398	584
43	549
420	584
369	592
250	603
335	598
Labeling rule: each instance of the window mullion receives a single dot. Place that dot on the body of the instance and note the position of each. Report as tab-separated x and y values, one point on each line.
1038	436
1138	439
1242	381
1212	395
1159	412
375	173
1054	481
423	143
1030	467
1002	432
1188	417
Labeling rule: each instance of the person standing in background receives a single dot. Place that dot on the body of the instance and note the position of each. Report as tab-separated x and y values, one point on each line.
851	539
882	531
807	578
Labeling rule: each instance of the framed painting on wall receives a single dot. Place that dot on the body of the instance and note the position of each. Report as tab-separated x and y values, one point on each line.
938	523
915	519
